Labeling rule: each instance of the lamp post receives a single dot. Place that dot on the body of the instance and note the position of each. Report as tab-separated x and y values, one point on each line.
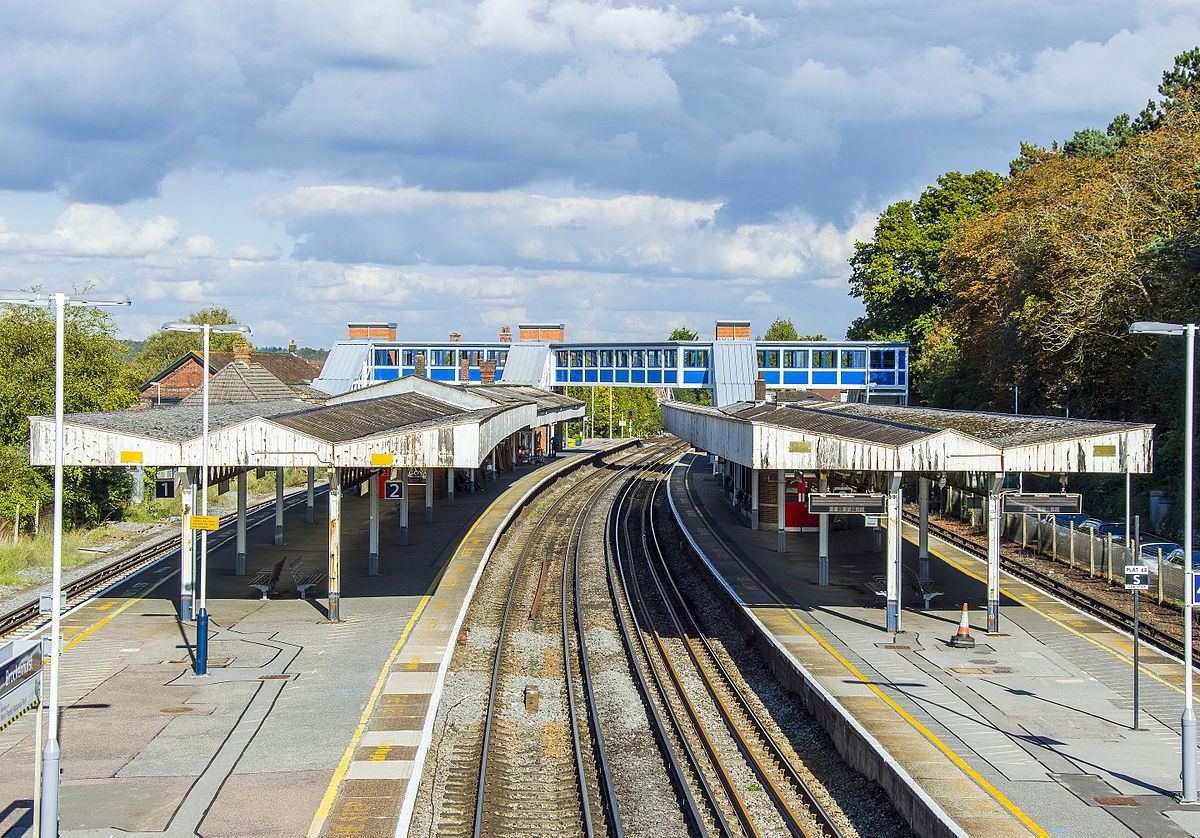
1188	721
51	753
202	605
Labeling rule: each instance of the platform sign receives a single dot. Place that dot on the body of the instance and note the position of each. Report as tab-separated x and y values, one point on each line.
846	503
1137	577
164	488
20	664
1195	588
393	489
1042	503
205	522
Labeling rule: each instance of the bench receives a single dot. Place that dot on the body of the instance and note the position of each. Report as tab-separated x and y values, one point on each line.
878	585
266	580
305	580
927	588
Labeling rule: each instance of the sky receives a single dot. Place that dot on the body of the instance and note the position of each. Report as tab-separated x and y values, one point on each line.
620	168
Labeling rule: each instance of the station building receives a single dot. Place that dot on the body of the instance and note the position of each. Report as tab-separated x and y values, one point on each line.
727	365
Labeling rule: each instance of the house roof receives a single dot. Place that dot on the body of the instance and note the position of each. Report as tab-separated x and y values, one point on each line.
242	382
287	367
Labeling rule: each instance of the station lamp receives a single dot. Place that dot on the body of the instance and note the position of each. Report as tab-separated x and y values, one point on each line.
51	752
202	606
1188	721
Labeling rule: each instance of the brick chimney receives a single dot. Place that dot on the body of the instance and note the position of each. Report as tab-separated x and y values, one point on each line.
464	368
241	351
487	373
292	346
455	337
505	335
419	364
760	388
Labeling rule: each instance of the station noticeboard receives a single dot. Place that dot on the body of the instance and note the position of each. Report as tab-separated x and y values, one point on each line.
1039	503
846	503
1137	577
205	522
20	688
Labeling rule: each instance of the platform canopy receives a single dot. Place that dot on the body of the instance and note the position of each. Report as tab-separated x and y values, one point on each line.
836	436
420	424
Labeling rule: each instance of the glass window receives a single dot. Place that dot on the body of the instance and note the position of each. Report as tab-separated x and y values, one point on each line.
445	357
589	357
476	357
793	358
654	358
695	357
576	358
622	357
762	358
606	357
669	357
637	358
824	359
561	357
407	357
854	359
883	359
385	357
501	357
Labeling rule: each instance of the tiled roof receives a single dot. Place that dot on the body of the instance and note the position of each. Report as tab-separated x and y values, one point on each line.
241	382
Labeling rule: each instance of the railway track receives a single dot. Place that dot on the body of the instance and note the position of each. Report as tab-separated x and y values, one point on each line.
26	620
740	753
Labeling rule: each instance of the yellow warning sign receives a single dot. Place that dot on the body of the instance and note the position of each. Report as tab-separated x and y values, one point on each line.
131	456
205	522
383	459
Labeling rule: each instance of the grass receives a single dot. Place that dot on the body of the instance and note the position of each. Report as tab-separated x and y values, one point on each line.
28	562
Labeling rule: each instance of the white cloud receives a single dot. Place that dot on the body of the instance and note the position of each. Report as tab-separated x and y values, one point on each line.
88	230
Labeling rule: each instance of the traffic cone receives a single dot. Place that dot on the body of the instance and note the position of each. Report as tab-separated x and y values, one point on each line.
963	640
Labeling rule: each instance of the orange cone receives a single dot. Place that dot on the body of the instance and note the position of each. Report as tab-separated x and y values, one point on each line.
963	640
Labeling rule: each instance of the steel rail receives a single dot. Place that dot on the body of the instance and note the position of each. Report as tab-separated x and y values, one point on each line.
678	606
631	628
601	477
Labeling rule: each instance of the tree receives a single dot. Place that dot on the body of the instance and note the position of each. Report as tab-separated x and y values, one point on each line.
897	273
94	378
1184	75
683	333
781	329
163	348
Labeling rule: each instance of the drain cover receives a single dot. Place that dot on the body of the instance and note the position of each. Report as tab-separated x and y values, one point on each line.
1116	801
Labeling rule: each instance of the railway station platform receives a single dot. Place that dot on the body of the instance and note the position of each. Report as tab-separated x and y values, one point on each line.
301	726
1029	732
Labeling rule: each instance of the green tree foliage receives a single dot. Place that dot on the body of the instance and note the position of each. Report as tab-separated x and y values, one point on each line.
610	405
94	378
897	273
781	329
163	348
1184	75
683	333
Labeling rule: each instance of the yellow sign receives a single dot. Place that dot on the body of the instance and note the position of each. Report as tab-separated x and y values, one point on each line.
205	522
131	456
800	447
382	459
1104	450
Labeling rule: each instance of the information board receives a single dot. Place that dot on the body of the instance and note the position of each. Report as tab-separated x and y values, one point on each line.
1137	577
20	664
846	503
205	522
1068	503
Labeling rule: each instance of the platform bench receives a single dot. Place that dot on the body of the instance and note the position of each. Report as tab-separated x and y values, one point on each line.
305	580
266	580
878	585
927	588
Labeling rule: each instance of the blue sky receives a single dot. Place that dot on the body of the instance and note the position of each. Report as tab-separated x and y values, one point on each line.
462	166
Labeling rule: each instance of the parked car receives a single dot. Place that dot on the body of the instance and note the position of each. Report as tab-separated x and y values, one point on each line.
1150	550
1103	530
